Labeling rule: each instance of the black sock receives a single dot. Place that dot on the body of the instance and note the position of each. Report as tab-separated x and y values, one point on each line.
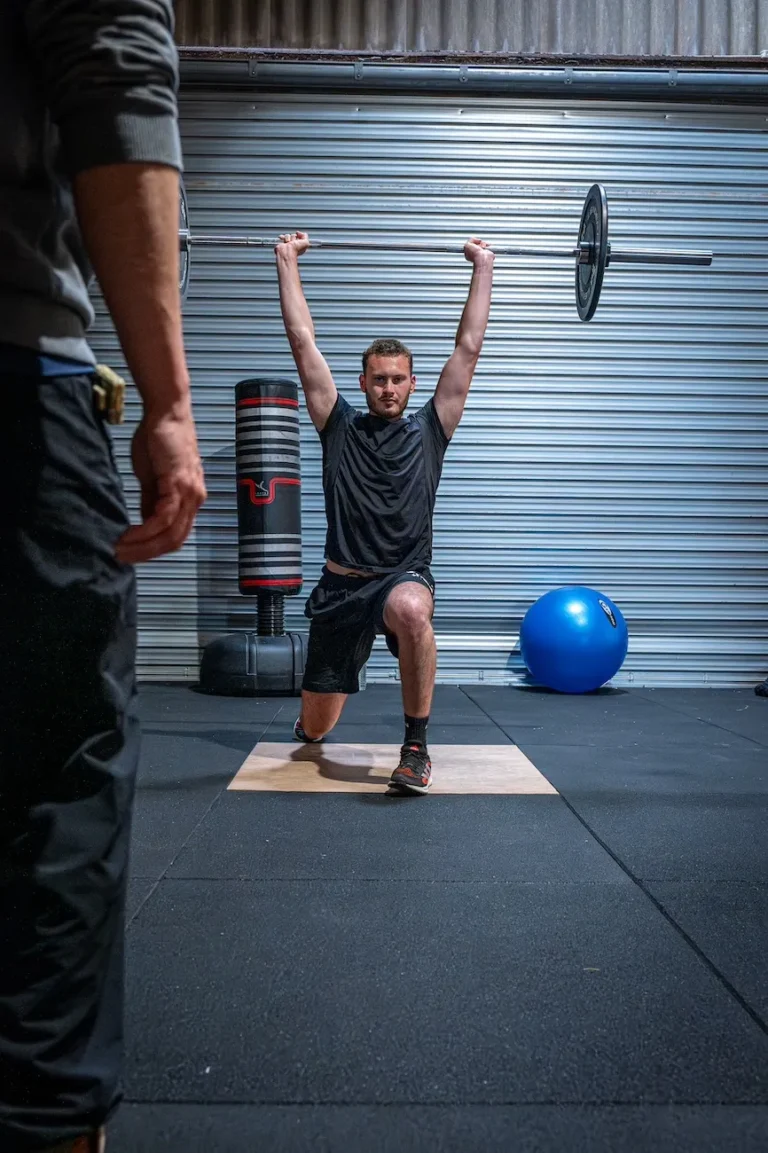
416	730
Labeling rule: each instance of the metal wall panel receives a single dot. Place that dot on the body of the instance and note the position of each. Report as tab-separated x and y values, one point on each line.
581	27
628	454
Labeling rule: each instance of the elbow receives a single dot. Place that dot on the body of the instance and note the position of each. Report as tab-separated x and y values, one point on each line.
300	339
469	348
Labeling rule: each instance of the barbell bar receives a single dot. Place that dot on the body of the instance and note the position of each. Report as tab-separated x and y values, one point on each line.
593	252
582	253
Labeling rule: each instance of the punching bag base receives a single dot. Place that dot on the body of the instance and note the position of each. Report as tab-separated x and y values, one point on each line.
249	665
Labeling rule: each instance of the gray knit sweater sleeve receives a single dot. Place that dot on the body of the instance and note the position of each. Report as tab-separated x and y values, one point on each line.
83	84
109	75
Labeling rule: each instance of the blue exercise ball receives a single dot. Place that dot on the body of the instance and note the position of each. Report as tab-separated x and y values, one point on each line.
573	639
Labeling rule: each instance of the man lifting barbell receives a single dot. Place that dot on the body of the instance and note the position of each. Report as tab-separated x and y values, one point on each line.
380	476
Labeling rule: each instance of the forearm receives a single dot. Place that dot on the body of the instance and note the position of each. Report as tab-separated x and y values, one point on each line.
108	72
474	319
293	304
129	217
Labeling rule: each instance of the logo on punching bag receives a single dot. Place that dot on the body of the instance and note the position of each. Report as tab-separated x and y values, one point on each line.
608	612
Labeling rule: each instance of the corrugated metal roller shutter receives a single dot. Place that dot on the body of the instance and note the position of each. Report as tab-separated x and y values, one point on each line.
573	27
628	454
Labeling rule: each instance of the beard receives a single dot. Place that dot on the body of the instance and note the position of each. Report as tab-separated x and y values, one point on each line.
390	411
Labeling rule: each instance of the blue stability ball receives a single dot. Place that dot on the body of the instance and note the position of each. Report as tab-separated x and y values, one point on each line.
573	639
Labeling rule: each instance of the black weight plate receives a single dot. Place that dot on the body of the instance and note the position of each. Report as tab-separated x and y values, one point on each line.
593	232
184	245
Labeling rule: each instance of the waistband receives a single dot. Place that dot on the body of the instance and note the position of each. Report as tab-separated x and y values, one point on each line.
344	580
18	361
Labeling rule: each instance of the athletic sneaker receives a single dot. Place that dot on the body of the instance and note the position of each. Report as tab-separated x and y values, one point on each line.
414	773
301	736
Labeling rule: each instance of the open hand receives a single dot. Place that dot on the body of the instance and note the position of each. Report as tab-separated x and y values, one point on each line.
297	242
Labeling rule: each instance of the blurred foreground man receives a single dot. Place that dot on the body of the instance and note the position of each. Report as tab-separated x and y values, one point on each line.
89	163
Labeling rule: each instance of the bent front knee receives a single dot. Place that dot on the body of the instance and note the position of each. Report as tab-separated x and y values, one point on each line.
409	621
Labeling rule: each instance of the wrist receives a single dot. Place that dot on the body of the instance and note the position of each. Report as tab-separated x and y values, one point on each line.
172	400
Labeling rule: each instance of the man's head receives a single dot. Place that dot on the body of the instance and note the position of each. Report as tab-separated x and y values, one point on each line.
387	378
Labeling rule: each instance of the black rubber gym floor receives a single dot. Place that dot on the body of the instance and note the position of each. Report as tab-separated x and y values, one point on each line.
345	973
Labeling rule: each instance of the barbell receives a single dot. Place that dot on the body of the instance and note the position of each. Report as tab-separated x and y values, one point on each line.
593	252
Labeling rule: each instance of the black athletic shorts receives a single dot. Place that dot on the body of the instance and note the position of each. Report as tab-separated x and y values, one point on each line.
346	614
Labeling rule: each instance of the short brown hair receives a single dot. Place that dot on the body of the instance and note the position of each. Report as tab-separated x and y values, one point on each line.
388	348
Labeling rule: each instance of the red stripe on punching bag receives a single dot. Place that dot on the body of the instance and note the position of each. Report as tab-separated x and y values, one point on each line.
257	583
275	481
251	402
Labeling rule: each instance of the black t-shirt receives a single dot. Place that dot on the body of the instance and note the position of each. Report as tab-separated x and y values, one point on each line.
380	480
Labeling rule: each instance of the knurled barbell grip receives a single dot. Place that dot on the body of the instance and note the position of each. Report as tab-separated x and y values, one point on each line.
211	240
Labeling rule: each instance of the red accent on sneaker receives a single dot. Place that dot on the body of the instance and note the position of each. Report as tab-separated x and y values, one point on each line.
93	1143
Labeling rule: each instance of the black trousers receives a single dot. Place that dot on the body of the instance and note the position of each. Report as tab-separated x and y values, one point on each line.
68	757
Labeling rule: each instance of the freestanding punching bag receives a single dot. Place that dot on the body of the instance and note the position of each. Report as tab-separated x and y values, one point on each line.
268	660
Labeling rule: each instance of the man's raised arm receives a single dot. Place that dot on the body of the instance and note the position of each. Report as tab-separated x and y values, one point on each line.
456	377
314	373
